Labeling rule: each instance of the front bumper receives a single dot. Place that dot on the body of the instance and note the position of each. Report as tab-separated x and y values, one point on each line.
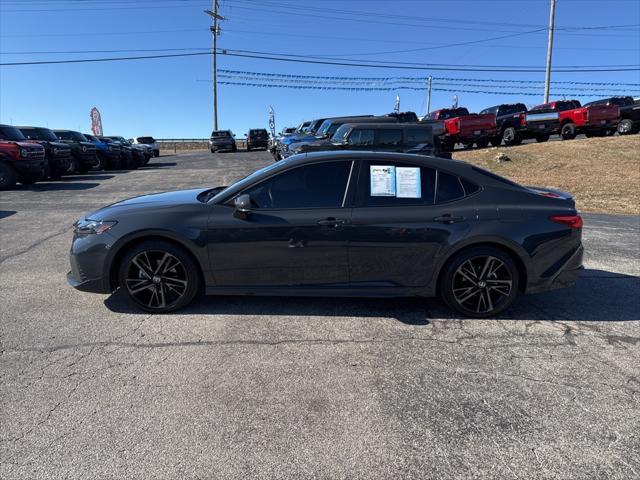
88	260
30	166
87	158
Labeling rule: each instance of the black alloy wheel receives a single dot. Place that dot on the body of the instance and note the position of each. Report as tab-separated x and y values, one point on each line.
159	277
480	282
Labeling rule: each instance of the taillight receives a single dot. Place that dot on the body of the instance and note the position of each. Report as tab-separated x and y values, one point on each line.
573	221
523	119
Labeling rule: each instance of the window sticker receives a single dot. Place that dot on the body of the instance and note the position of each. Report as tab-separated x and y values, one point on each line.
408	183
383	180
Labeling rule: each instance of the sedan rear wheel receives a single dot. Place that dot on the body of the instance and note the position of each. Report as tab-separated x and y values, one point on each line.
159	277
480	282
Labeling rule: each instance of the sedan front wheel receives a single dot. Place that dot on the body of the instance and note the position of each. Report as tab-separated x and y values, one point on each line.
158	277
480	282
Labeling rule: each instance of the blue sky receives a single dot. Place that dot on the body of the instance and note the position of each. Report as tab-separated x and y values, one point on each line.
172	97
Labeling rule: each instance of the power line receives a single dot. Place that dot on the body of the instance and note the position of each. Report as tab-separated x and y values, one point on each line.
284	58
417	79
388	89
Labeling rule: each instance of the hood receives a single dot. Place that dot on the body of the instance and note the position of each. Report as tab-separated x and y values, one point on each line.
155	200
314	143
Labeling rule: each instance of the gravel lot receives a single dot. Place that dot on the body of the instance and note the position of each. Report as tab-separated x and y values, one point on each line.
306	388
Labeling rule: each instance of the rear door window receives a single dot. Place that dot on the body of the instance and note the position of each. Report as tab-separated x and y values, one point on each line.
390	137
387	184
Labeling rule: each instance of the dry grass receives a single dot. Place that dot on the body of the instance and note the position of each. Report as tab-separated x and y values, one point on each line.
602	174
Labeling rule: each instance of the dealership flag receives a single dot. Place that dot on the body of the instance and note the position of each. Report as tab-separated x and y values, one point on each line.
96	122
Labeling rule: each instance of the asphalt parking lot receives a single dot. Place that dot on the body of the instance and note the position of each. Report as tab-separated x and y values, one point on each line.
306	387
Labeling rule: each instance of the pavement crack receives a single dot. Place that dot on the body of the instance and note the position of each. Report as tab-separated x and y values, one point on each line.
33	245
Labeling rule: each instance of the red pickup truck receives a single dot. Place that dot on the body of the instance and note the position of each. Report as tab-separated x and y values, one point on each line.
592	120
464	127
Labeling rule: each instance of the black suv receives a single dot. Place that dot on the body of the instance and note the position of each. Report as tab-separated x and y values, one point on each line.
257	138
416	138
222	140
629	112
83	152
58	153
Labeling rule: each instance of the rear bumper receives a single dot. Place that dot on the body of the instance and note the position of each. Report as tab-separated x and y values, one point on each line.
534	130
600	125
565	276
222	146
258	144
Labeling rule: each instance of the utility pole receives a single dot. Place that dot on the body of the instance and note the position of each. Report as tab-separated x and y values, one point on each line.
429	96
215	31
552	14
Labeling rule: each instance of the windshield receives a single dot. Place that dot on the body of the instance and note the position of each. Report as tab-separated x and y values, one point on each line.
68	135
146	140
36	133
341	134
324	128
91	138
8	132
220	133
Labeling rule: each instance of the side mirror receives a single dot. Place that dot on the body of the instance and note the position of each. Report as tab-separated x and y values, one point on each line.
243	206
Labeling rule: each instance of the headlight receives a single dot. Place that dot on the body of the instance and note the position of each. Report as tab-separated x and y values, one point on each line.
87	226
24	152
55	151
110	148
84	149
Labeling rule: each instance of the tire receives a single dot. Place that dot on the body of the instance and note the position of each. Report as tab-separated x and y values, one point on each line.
8	176
482	143
447	145
150	288
31	178
248	148
542	138
625	127
568	131
496	141
235	148
497	288
511	137
100	163
73	167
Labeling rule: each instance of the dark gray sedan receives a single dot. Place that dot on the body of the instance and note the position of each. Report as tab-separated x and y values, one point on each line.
336	224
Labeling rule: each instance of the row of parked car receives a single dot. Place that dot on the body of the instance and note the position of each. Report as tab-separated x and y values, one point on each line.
32	154
440	131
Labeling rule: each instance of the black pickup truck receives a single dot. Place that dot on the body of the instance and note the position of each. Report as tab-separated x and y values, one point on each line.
629	113
509	125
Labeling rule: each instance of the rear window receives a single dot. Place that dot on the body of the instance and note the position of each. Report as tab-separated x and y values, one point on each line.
220	133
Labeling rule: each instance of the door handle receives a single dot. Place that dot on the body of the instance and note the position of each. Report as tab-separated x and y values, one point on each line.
447	218
332	222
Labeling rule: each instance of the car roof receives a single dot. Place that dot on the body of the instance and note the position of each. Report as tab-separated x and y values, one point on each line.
387	125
